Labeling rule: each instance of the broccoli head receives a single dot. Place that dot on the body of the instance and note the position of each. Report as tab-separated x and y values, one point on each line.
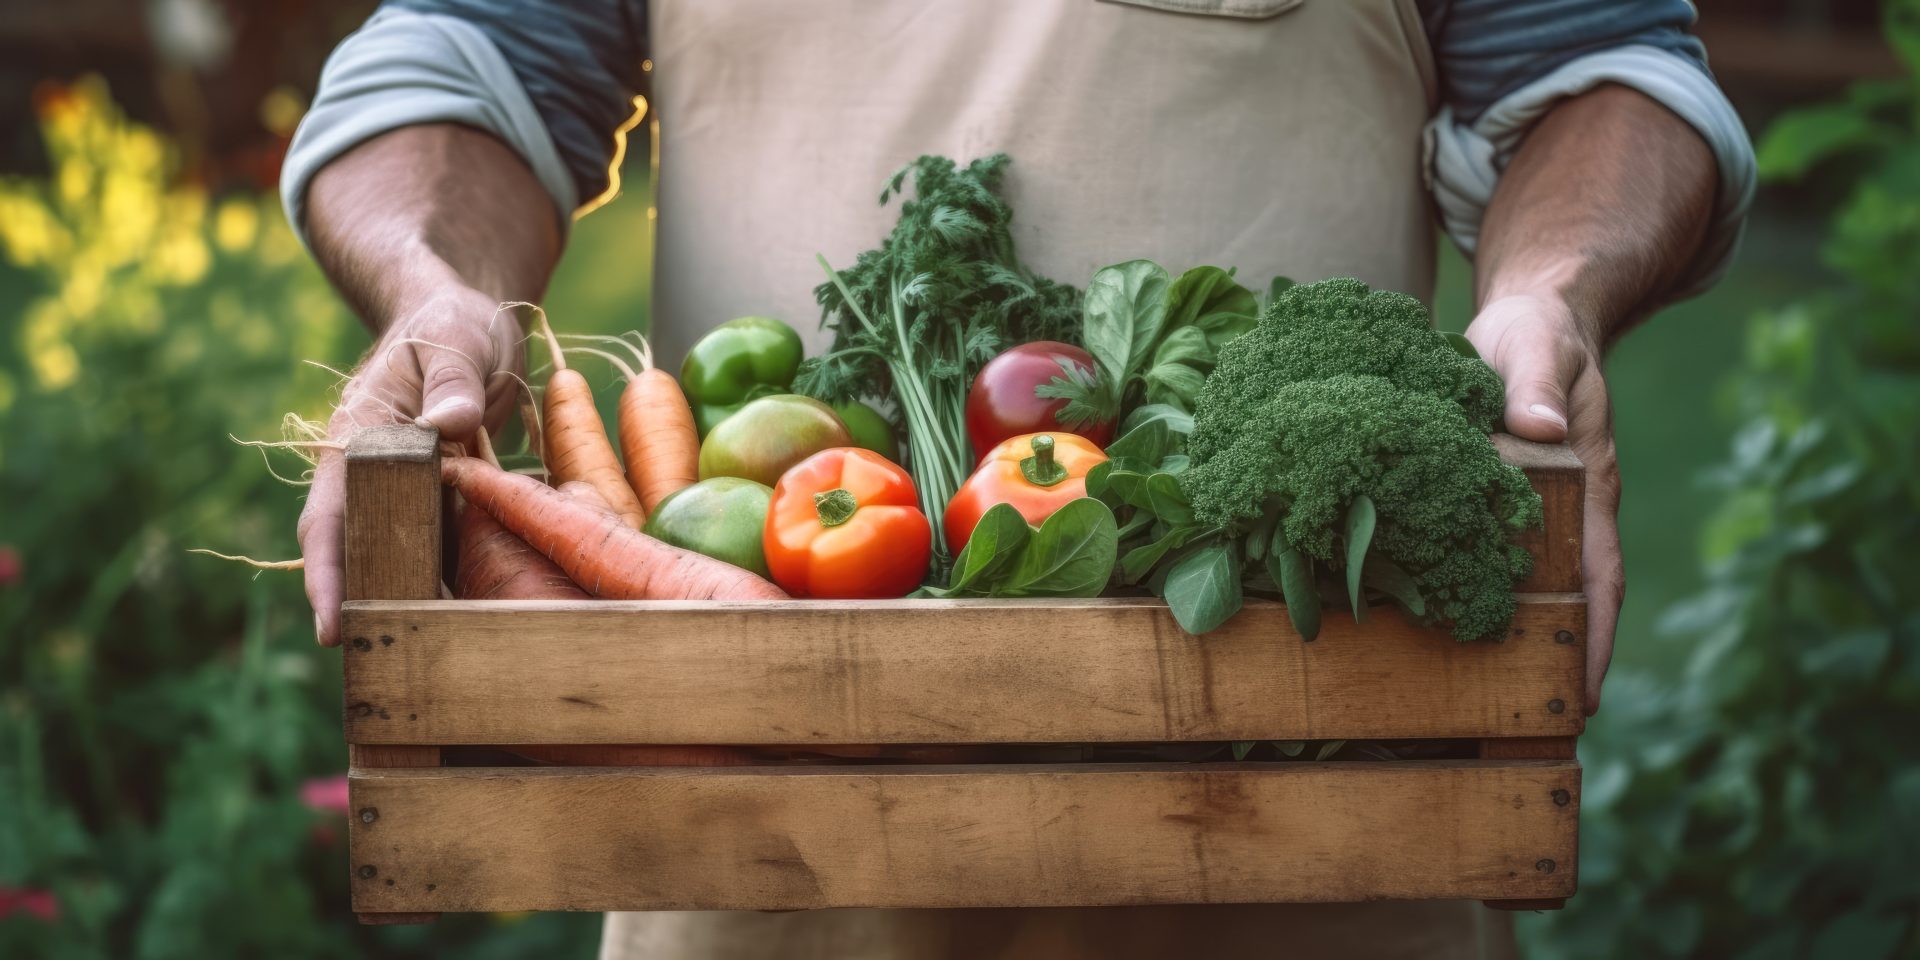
1341	391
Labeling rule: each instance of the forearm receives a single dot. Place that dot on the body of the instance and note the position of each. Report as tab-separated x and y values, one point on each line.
411	212
1603	207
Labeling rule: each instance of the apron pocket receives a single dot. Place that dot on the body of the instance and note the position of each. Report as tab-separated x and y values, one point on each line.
1242	9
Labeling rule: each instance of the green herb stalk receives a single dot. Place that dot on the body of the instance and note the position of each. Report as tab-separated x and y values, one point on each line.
916	318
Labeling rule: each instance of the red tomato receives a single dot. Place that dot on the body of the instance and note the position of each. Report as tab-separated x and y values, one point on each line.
1001	403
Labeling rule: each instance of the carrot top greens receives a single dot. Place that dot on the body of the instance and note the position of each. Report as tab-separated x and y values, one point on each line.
916	318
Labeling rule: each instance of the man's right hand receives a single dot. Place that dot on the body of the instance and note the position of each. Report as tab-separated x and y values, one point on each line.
424	230
450	362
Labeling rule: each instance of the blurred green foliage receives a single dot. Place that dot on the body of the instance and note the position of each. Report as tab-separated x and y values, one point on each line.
159	712
1768	803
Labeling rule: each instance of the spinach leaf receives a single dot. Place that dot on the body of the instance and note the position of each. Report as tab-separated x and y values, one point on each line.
996	542
1360	520
1143	445
1210	299
1174	383
1167	500
1126	312
1178	420
1071	555
1183	345
1386	576
1141	559
1460	344
1276	287
1293	572
1130	486
1203	587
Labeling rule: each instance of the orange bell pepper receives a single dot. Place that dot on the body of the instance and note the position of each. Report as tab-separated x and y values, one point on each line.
1037	473
846	524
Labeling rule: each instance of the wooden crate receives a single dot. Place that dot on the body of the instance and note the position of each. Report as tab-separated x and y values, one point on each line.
610	683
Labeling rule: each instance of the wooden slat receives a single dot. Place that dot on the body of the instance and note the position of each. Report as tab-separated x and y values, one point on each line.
1536	748
939	671
393	514
784	838
392	552
1559	479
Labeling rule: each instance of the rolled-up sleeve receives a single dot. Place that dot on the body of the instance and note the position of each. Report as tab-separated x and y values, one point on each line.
553	80
1504	64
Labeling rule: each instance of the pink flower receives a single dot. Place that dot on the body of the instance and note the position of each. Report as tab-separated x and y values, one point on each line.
326	794
9	565
39	903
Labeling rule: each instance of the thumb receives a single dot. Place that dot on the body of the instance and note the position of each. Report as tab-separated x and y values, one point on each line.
1537	387
453	394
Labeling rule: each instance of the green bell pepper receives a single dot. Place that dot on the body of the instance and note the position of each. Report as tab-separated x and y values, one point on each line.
740	360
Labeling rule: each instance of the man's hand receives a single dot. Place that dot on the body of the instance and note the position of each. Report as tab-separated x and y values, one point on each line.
449	363
425	231
1595	219
1556	394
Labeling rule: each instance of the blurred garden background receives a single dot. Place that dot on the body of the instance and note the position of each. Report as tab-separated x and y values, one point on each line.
170	753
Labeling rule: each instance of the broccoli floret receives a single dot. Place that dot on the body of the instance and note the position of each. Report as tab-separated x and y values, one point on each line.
1341	391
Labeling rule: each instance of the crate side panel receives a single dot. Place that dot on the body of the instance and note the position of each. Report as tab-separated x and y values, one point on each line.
659	839
496	672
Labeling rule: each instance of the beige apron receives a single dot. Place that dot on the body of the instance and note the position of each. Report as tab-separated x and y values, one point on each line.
1276	136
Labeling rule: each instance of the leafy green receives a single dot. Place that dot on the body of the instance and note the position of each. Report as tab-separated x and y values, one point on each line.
1202	588
1152	339
1071	554
916	318
1359	533
1294	573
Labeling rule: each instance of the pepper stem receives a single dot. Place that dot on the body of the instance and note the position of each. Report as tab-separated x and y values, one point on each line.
1041	469
835	506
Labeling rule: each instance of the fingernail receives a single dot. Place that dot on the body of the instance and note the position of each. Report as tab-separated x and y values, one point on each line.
316	627
1545	412
444	408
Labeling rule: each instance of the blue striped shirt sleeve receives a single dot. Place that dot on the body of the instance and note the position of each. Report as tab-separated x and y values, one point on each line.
1488	49
1504	63
579	61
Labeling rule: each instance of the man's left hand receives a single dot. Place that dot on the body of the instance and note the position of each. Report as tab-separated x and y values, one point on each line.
1556	393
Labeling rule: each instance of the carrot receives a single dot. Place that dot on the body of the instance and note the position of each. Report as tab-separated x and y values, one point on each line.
496	565
594	549
576	438
657	436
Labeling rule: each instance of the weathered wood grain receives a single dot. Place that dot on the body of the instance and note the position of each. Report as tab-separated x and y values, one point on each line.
1561	482
392	552
1537	748
799	838
939	671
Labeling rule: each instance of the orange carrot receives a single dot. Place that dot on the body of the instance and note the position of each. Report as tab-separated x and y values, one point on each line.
576	438
657	437
594	549
496	565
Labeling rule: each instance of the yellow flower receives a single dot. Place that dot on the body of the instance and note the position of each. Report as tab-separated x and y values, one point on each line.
235	225
44	339
280	110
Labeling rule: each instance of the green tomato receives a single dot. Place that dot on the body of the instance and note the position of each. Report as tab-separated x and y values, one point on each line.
769	435
723	518
868	428
738	361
